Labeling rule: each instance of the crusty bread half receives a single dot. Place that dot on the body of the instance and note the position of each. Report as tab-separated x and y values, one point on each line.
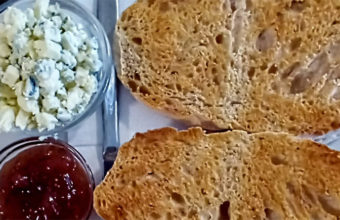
166	174
254	65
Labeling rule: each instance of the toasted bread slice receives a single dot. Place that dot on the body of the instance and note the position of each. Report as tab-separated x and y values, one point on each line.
235	64
166	174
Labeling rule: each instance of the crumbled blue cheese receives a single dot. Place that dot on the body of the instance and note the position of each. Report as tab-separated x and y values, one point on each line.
5	51
15	18
11	76
48	49
46	121
22	119
71	42
7	118
51	103
48	67
40	8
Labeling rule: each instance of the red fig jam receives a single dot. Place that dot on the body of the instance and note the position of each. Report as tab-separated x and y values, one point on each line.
45	182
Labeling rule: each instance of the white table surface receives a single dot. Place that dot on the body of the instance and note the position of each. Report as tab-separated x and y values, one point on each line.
133	117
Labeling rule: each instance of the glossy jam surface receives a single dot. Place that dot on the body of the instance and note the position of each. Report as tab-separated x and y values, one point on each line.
45	182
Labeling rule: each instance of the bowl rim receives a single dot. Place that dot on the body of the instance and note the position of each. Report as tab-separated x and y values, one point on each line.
106	69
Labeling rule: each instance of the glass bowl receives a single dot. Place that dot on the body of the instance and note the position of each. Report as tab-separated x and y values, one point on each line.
94	29
15	150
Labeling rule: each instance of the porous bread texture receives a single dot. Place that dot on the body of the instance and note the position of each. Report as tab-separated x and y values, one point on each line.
235	64
167	174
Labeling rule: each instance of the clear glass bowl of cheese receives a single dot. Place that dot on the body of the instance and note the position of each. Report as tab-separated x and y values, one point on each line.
94	30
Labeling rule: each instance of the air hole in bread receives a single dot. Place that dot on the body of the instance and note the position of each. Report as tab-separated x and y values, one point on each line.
133	85
182	212
232	64
290	70
273	69
290	188
330	204
219	39
235	103
298	5
179	87
309	194
310	102
266	39
178	198
335	124
164	6
295	43
292	118
233	5
214	70
155	215
251	72
102	203
300	83
224	211
216	80
196	62
264	66
170	86
151	2
144	91
271	214
278	160
192	213
207	202
137	40
335	22
137	77
174	73
190	75
169	102
168	216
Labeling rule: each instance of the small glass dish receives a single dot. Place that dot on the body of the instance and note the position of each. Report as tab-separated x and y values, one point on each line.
31	160
94	29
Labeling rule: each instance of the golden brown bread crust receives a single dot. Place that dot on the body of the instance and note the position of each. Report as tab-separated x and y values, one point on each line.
166	174
225	64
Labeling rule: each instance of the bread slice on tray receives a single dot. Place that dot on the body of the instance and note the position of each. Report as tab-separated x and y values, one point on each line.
166	174
235	64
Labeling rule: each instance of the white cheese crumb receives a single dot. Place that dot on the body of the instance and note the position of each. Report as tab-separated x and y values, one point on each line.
51	103
16	18
46	121
5	51
40	8
22	119
7	117
11	76
48	49
28	105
